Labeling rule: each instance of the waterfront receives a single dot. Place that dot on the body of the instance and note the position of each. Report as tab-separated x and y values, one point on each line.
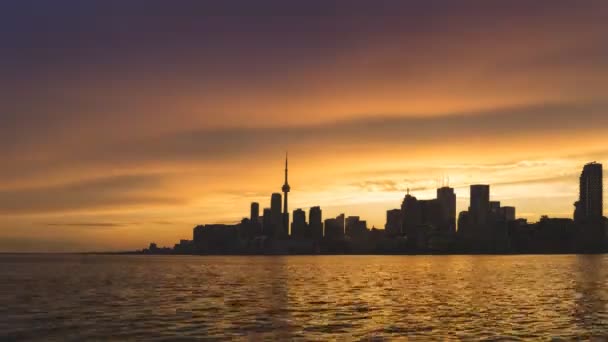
79	297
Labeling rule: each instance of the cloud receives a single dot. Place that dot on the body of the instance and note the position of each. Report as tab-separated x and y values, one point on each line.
499	124
492	128
392	185
115	192
86	224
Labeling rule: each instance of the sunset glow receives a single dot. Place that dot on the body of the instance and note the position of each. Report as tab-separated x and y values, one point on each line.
124	124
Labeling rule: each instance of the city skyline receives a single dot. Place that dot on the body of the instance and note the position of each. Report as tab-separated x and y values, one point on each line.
419	226
124	124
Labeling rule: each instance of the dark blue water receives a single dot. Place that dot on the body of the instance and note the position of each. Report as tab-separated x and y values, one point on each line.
71	297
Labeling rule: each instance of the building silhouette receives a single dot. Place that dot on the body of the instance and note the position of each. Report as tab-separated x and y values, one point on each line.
355	227
495	207
509	213
420	226
267	225
589	209
426	220
590	205
276	215
254	215
485	227
411	216
393	223
447	199
480	204
216	238
334	228
315	217
299	228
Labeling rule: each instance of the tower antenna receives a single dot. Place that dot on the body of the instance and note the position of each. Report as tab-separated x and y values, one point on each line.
286	188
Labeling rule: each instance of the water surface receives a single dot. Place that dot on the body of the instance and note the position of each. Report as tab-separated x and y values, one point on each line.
77	297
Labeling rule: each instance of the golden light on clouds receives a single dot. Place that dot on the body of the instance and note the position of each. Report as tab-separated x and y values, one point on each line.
110	143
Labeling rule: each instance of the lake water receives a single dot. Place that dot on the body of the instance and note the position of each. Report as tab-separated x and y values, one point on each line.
75	297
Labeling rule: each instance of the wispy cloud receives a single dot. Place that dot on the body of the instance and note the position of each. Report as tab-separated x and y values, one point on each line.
101	193
86	224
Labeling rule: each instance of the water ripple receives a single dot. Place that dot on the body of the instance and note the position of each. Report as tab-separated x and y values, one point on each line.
375	298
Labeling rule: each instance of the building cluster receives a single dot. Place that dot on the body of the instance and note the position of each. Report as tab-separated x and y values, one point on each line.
418	226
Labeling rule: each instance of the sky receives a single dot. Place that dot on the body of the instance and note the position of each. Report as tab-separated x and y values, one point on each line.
129	122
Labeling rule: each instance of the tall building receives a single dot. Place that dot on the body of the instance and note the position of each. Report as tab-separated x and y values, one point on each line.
286	188
484	227
334	228
355	228
393	222
508	213
480	204
299	229
411	216
420	218
315	217
590	205
589	212
255	212
495	207
267	226
447	198
431	213
276	215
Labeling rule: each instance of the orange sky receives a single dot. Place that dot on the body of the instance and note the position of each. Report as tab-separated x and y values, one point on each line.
123	126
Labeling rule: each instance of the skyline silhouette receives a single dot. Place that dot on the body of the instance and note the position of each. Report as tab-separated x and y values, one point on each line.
419	227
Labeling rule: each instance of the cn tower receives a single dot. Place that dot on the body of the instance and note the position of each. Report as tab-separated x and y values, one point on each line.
286	189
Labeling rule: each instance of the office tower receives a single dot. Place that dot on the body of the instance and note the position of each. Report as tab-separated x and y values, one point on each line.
590	206
267	226
480	204
508	213
255	212
355	228
495	207
393	222
447	198
286	188
334	228
411	215
464	228
276	215
431	213
299	228
316	223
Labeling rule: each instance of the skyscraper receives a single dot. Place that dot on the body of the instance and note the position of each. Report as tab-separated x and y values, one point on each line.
480	204
590	205
299	229
495	207
255	212
411	215
334	228
447	198
276	215
393	222
589	212
315	217
267	226
286	189
508	213
355	228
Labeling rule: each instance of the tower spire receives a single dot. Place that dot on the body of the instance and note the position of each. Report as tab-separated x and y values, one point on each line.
286	157
286	188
